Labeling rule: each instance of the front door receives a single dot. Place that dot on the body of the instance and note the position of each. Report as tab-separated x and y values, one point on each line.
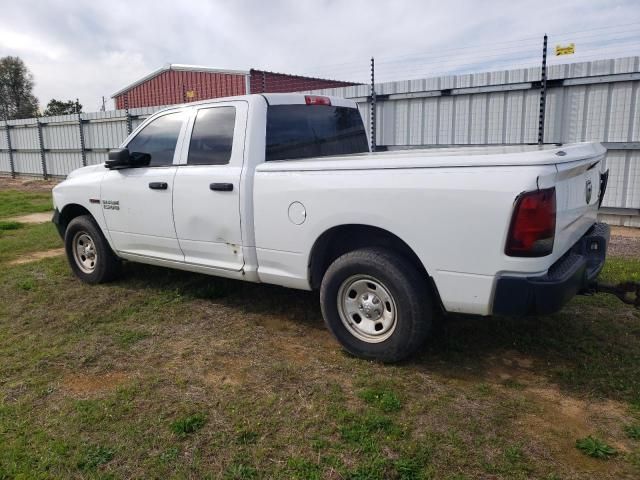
206	199
137	202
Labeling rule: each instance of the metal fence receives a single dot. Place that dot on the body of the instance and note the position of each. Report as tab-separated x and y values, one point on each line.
55	146
587	101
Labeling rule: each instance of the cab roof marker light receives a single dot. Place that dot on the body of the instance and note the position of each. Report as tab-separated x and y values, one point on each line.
317	100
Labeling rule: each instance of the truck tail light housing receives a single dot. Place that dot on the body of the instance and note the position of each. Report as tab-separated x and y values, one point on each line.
533	225
317	100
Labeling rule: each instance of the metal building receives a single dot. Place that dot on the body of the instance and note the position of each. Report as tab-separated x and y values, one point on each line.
174	84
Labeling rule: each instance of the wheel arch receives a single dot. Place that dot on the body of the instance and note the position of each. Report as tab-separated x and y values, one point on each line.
341	239
68	213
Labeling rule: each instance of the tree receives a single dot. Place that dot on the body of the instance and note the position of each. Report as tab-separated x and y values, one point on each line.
16	90
57	107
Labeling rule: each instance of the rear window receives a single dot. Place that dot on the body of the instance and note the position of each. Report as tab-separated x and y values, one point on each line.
303	131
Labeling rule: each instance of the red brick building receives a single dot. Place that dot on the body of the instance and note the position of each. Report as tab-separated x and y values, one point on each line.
174	84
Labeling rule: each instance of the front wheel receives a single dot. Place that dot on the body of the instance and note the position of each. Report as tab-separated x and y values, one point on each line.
377	304
88	252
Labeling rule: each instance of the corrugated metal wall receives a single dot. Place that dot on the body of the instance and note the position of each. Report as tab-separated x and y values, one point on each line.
170	87
590	101
587	101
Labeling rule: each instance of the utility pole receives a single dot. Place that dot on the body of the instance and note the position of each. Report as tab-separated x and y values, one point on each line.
12	165
543	91
83	149
127	114
373	106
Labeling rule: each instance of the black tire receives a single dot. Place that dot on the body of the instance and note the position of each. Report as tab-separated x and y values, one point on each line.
406	285
106	266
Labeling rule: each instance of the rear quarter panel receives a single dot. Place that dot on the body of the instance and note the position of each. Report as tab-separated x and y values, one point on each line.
455	219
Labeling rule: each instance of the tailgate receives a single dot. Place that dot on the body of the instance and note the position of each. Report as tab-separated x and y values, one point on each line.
580	185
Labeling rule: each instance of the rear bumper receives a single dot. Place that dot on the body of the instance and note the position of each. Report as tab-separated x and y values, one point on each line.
571	274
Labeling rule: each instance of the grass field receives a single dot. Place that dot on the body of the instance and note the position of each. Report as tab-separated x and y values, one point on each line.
166	374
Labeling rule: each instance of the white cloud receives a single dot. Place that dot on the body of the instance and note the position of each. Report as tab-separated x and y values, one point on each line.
87	49
29	45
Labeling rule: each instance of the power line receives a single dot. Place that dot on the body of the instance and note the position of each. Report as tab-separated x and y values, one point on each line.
595	29
512	57
432	58
522	47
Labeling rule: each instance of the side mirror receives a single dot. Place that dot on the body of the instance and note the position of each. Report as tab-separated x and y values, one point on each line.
118	158
139	159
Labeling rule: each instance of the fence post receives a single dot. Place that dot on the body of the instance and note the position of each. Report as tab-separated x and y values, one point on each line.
126	111
543	91
43	158
11	163
83	150
373	106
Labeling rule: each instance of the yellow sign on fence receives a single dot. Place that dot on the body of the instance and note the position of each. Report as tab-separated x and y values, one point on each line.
190	94
566	50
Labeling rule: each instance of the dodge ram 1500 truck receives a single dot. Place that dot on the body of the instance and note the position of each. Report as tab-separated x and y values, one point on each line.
282	189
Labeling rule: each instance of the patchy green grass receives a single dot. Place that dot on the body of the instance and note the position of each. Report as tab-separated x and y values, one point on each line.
167	374
621	270
592	345
383	398
633	431
28	240
94	456
187	425
594	447
9	225
15	202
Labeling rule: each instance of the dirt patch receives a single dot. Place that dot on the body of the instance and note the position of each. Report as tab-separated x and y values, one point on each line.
34	257
625	242
87	385
42	217
27	184
224	374
559	420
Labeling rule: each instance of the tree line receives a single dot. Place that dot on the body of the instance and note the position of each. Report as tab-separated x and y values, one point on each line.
16	94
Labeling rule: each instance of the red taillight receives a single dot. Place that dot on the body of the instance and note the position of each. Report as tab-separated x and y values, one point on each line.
317	100
533	225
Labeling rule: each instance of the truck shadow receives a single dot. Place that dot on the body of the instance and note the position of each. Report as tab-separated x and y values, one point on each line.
591	347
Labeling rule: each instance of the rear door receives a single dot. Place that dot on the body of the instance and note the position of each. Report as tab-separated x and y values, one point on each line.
206	198
137	202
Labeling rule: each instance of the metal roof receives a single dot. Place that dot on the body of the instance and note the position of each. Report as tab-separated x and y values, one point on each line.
178	67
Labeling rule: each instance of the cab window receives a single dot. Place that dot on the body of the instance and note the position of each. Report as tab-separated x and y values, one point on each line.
212	136
159	139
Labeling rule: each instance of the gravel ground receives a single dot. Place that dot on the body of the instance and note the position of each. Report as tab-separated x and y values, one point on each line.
625	242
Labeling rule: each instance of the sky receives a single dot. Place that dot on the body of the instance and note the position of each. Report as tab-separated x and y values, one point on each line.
89	49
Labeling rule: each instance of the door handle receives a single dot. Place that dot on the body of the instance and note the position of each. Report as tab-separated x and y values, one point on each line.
158	185
221	187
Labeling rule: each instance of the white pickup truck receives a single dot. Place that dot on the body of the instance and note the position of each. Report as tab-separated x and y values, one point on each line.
282	189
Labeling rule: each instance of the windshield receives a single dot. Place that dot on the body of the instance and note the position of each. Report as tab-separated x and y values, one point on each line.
303	131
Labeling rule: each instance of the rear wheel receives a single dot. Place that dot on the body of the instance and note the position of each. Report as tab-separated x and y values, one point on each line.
377	304
88	252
